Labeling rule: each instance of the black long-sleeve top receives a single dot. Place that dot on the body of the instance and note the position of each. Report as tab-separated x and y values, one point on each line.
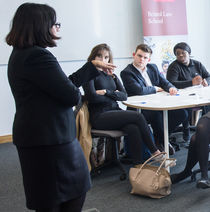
181	75
98	104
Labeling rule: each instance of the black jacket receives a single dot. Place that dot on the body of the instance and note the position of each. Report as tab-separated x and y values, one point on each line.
135	84
44	97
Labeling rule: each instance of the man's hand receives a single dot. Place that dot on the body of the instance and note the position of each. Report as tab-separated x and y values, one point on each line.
101	92
158	89
205	83
172	91
197	80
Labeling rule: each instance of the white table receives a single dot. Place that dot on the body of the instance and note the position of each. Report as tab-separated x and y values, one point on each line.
194	96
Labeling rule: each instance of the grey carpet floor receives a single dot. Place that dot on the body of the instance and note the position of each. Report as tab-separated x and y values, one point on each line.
108	193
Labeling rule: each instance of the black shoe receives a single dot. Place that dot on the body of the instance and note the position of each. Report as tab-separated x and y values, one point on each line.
203	183
175	178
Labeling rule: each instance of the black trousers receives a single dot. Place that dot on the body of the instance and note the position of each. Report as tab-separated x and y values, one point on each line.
133	124
155	118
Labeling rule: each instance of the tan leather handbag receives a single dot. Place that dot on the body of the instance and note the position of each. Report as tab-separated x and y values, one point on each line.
152	181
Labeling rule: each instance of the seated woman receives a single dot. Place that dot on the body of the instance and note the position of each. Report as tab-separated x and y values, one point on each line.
198	152
102	94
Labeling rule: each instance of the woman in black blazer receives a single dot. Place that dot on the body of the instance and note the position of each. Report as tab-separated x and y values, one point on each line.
55	173
102	94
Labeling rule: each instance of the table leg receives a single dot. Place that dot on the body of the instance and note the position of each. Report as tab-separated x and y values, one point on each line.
139	110
166	139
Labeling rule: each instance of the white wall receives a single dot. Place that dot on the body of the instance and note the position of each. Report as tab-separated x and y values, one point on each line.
198	17
198	28
7	106
84	25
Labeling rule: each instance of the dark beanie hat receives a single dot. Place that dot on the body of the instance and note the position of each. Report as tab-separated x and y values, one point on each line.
184	46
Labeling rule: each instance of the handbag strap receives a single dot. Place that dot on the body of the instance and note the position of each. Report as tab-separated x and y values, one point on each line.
161	165
154	156
172	160
163	162
147	161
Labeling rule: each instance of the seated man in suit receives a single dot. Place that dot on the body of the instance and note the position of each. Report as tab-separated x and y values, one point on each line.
185	72
142	78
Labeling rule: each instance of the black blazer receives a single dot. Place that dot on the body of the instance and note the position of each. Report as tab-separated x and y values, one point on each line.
135	84
44	97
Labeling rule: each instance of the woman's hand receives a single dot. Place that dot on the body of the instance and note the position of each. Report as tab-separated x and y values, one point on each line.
101	92
106	67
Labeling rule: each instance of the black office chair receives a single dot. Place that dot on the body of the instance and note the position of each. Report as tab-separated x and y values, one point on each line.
110	137
196	114
113	138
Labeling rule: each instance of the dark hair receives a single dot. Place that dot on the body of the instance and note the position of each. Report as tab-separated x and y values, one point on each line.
184	46
31	25
164	62
144	48
96	51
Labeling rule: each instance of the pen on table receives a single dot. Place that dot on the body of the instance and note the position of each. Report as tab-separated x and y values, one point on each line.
177	94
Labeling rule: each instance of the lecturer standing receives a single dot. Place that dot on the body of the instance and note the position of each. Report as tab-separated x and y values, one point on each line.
55	173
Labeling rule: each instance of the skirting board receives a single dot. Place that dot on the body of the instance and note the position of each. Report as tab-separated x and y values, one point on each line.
5	139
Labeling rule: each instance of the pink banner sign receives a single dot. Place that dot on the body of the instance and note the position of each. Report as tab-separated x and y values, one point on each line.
164	17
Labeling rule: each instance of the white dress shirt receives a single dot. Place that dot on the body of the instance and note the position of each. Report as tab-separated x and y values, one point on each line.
144	75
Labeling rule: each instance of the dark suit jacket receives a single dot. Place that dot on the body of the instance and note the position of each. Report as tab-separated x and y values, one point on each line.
135	84
44	97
